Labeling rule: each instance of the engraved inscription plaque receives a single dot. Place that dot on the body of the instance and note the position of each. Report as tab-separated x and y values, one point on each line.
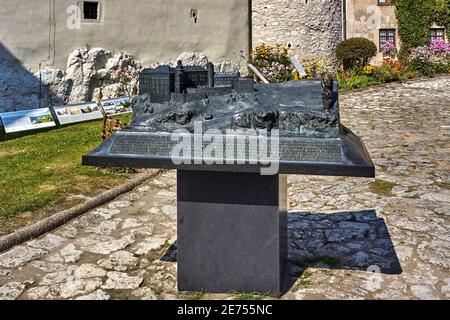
160	146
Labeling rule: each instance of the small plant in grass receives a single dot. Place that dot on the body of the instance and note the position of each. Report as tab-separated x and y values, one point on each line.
110	126
329	261
305	279
199	295
248	296
382	187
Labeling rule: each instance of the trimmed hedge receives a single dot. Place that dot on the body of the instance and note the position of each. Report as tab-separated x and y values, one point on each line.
355	52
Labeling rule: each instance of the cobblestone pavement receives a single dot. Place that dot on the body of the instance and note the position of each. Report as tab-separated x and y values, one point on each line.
348	238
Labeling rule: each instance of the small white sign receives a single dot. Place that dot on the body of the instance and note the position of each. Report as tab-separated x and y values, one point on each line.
258	74
298	66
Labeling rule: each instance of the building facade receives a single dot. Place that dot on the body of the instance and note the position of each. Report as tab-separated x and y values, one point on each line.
47	31
376	21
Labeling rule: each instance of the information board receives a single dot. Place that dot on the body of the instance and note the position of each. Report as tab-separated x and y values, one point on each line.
114	107
78	113
27	120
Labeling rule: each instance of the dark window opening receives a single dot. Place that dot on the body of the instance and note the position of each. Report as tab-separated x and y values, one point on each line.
437	34
384	2
387	35
90	10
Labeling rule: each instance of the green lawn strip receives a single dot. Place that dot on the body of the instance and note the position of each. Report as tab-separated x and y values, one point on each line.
39	172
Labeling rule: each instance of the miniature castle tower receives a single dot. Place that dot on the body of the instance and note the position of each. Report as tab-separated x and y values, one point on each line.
179	72
210	68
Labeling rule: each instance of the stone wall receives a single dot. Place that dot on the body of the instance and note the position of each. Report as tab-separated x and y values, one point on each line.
43	31
313	28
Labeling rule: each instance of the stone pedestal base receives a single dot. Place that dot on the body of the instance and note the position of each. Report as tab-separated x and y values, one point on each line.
232	232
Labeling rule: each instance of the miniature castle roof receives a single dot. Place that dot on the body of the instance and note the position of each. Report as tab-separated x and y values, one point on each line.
159	69
194	69
165	69
227	74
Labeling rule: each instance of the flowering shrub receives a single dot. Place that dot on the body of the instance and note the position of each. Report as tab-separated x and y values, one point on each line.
358	77
389	49
386	73
273	62
314	68
277	72
439	46
431	59
369	70
276	66
353	80
110	126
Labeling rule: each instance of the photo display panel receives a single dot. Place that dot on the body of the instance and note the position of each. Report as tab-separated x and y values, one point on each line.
27	120
78	113
114	107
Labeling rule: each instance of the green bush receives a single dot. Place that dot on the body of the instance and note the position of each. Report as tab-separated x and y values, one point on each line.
423	68
355	52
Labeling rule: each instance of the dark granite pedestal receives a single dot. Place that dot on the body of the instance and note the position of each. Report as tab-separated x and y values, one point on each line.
232	231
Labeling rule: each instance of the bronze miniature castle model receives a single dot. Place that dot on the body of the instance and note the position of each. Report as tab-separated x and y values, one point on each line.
188	83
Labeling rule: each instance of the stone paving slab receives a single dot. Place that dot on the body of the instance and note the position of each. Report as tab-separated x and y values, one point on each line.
348	238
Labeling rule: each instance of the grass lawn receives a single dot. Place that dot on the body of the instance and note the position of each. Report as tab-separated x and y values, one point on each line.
41	174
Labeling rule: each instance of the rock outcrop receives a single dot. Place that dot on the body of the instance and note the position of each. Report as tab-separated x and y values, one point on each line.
20	89
91	74
98	74
189	58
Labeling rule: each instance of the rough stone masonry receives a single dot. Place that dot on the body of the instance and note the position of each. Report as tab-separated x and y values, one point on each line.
313	28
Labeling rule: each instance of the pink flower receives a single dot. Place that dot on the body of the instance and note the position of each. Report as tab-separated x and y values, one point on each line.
439	45
389	48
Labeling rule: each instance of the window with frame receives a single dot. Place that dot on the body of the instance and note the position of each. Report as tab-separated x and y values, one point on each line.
387	35
91	10
384	2
437	34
